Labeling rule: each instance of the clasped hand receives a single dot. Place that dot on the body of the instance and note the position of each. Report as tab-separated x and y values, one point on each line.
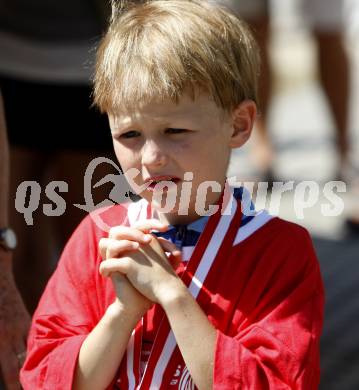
138	266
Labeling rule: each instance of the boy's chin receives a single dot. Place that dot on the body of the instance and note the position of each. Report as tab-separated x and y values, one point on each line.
167	200
164	208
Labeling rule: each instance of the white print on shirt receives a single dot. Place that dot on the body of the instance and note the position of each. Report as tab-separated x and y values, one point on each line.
186	381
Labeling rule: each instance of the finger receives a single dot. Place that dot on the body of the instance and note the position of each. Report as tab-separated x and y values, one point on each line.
175	255
175	261
151	224
10	369
170	247
129	233
20	349
109	266
113	248
117	248
116	277
21	357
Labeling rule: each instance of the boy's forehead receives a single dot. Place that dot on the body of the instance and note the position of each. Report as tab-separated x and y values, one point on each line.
202	107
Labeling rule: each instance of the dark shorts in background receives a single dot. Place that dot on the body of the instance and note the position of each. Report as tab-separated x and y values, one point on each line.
53	116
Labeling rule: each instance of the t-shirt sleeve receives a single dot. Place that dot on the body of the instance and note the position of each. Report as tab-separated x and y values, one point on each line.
277	345
66	314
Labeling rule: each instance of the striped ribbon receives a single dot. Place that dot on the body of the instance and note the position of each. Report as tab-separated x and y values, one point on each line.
222	231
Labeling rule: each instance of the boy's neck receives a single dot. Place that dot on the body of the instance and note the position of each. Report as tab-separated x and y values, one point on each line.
192	216
175	219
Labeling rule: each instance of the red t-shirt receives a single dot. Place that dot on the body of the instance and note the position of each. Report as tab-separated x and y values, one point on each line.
266	302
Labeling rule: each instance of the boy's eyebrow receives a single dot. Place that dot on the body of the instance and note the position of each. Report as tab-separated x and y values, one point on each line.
130	124
123	125
116	128
134	126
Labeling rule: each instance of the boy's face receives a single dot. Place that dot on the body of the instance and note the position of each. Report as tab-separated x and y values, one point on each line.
164	140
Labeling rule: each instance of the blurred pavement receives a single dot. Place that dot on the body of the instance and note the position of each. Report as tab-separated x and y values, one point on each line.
302	132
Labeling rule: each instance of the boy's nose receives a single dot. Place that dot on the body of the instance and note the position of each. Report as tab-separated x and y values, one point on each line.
153	155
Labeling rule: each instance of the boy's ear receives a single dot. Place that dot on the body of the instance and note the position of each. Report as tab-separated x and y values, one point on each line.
243	117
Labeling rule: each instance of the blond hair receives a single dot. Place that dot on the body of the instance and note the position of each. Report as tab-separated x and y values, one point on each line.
161	49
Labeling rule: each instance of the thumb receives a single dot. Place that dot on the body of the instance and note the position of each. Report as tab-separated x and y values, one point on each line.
175	253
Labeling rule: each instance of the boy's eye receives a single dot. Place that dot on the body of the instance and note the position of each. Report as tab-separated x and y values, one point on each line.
171	130
130	134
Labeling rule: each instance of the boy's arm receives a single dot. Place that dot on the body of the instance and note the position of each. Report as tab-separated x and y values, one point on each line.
102	350
279	345
14	319
77	312
195	335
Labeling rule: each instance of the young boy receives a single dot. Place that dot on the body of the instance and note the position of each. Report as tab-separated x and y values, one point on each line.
236	301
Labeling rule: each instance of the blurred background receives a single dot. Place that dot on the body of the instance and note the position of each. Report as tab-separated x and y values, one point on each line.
302	131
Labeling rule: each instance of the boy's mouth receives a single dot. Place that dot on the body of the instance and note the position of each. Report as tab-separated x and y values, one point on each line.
154	181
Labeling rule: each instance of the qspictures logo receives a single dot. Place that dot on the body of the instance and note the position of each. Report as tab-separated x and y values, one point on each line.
166	194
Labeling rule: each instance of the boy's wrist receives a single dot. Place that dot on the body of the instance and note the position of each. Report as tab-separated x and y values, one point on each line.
174	293
117	314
